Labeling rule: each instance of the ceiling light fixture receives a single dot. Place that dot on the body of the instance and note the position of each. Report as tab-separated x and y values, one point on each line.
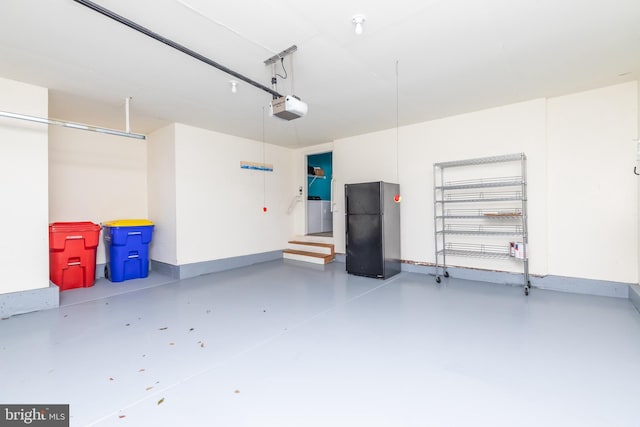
234	86
358	20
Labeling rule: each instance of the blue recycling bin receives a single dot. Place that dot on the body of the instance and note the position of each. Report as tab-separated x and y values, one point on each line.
127	248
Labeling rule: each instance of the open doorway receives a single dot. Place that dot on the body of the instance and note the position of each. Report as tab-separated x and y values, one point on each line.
319	194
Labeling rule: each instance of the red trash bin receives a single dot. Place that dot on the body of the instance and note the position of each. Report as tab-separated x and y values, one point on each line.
72	254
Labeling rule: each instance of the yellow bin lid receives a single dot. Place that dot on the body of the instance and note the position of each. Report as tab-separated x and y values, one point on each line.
128	223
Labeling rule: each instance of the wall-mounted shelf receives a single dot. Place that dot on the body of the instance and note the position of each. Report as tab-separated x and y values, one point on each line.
315	177
485	205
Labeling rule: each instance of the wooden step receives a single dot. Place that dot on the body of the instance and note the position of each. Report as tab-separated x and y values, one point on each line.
312	238
322	248
312	257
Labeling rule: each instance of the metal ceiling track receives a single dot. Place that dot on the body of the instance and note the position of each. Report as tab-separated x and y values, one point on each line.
121	19
281	55
71	125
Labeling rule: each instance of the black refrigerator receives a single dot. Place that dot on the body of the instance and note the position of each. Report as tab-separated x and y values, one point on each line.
372	229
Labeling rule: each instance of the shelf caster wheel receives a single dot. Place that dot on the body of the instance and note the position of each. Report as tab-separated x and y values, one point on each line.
438	279
446	274
106	272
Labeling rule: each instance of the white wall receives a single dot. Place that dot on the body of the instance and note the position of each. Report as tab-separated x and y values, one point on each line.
583	194
24	252
161	179
363	158
637	145
510	129
593	197
580	181
96	177
186	180
219	206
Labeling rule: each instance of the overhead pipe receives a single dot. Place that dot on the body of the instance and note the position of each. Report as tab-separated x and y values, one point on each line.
127	120
121	19
71	125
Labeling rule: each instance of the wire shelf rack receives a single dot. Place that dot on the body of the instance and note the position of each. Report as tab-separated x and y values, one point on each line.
477	250
482	229
501	213
509	181
483	209
482	196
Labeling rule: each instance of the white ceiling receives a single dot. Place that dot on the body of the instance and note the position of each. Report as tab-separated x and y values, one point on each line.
453	56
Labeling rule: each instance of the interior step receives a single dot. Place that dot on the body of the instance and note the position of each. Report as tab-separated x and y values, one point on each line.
321	248
305	256
312	238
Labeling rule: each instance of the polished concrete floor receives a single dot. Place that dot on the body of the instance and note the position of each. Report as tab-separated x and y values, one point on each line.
280	344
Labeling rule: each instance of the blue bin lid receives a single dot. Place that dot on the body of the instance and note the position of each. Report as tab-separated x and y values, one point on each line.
128	223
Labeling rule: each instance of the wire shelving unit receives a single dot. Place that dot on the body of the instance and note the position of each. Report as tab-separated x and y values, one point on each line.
484	205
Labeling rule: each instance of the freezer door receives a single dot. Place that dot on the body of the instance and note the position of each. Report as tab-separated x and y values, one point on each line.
364	245
363	198
391	229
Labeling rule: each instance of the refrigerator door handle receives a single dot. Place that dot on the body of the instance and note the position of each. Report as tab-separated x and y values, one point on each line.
346	215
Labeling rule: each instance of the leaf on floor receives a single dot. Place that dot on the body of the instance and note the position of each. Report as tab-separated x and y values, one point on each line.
121	416
160	401
163	329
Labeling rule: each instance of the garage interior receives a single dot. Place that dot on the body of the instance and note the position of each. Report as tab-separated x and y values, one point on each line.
100	121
